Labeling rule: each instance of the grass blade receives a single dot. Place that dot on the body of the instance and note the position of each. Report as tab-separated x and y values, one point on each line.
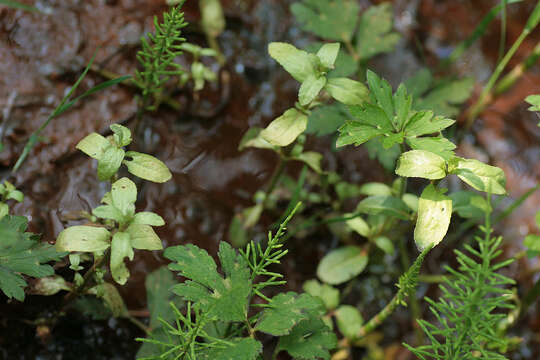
18	5
477	33
64	105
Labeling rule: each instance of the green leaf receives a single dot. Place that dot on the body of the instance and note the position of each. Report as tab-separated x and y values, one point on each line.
252	138
402	105
122	135
93	145
419	83
312	159
328	54
124	195
370	121
329	19
347	91
386	157
423	123
437	145
389	141
143	237
148	218
22	253
386	205
109	162
328	294
445	98
285	311
286	128
120	249
349	321
223	298
422	164
50	285
532	242
534	100
352	132
480	176
375	34
469	205
296	62
411	200
108	212
147	167
237	349
381	93
343	264
358	225
310	339
83	238
434	213
375	188
4	210
158	284
385	244
110	295
310	89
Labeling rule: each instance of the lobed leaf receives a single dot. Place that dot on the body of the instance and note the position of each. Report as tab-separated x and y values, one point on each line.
285	311
329	19
375	34
310	339
225	298
22	253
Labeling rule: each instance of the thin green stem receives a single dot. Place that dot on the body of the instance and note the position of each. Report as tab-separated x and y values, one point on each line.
378	319
517	72
486	95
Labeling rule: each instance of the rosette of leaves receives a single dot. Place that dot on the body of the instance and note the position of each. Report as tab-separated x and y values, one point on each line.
391	119
8	192
123	230
110	154
219	322
199	73
311	71
21	253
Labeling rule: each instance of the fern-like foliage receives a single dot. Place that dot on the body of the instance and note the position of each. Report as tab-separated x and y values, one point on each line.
220	321
159	51
469	311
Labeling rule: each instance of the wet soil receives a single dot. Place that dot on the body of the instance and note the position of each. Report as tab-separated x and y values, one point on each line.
41	55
